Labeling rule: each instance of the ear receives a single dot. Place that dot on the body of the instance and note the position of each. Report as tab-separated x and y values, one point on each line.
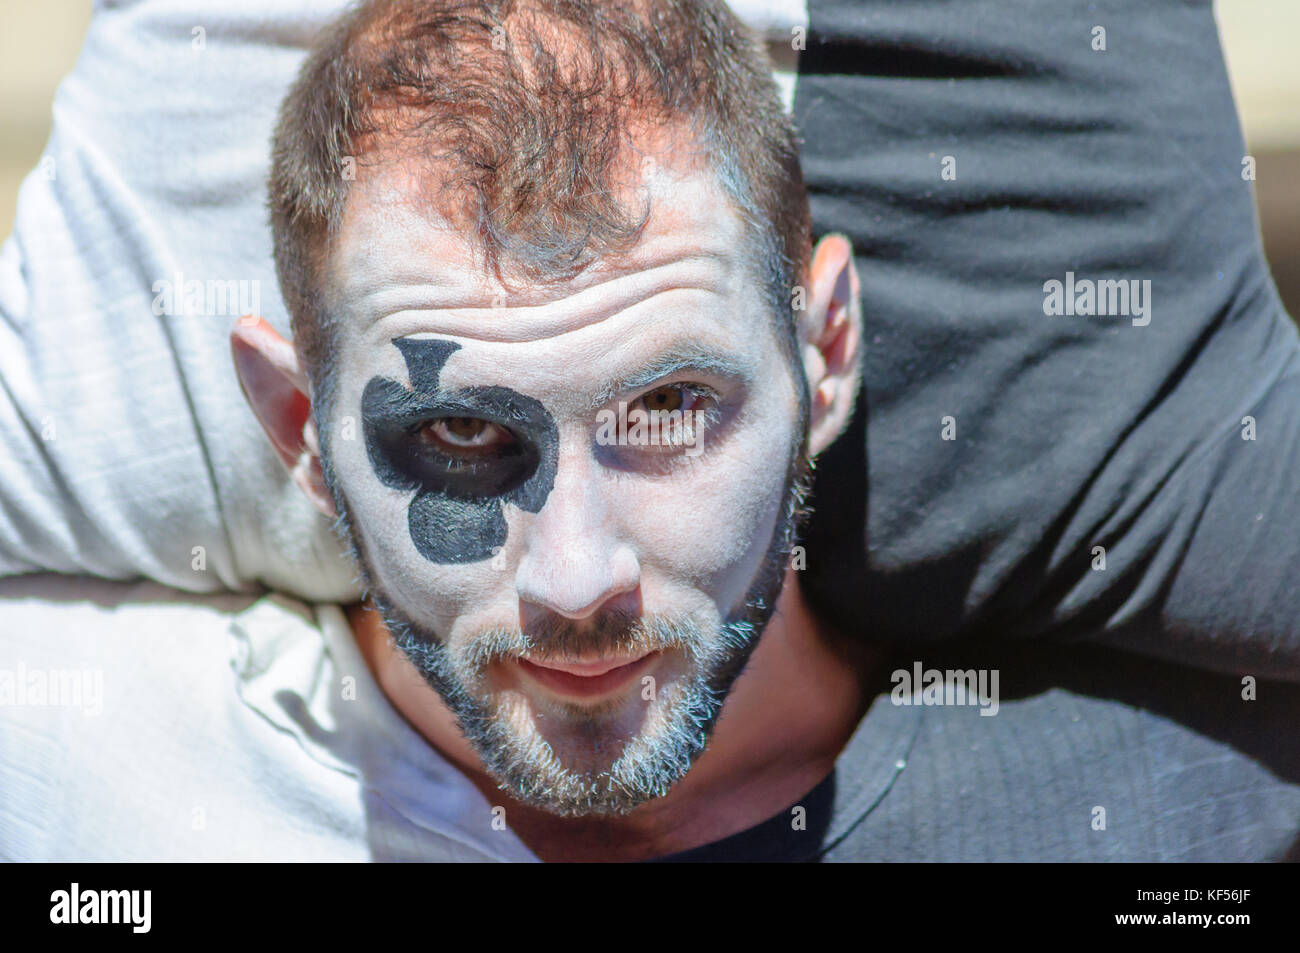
830	333
276	388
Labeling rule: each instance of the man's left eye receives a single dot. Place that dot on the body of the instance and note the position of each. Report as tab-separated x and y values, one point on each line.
462	434
670	417
666	399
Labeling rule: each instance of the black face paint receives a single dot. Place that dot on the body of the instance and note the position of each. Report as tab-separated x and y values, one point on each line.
456	516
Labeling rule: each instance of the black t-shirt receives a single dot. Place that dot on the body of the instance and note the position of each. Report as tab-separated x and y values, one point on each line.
1125	478
1090	754
779	839
1117	471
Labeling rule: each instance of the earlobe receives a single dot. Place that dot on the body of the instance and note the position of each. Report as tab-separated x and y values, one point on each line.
276	389
831	331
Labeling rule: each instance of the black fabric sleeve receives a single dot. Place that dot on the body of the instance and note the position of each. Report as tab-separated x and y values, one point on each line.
1071	432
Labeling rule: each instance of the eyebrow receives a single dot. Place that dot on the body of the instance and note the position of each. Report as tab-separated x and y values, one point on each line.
682	357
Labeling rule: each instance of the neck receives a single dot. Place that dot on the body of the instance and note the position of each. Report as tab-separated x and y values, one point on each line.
784	723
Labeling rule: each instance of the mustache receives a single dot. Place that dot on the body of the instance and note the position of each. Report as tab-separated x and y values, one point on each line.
556	638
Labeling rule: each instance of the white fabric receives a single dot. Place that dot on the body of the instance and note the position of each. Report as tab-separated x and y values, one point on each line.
126	448
167	726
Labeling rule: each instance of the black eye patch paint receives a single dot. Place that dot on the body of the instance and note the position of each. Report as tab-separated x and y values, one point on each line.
455	515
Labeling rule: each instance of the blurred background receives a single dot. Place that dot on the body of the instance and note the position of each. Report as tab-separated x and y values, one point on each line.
39	41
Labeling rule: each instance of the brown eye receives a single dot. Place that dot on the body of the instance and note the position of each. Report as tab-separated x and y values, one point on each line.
666	399
465	433
672	416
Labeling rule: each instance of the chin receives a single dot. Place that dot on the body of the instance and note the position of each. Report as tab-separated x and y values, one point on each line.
602	757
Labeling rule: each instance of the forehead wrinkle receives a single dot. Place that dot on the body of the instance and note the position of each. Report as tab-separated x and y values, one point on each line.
396	259
519	324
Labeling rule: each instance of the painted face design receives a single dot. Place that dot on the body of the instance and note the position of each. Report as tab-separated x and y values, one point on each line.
616	550
456	514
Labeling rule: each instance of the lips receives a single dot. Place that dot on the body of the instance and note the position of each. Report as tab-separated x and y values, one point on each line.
586	679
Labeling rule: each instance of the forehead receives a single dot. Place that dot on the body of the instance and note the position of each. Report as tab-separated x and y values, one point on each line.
397	270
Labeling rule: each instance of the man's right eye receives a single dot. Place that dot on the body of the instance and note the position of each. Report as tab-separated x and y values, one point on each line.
464	435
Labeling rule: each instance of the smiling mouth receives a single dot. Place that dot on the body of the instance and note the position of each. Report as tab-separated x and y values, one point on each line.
586	680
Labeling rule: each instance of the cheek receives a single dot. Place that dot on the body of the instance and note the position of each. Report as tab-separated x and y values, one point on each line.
710	528
432	595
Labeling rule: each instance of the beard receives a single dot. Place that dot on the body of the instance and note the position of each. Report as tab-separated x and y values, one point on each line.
620	754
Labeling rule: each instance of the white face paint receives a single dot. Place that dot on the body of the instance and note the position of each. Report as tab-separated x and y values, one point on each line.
495	516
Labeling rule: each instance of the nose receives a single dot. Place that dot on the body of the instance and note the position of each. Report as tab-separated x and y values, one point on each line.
574	561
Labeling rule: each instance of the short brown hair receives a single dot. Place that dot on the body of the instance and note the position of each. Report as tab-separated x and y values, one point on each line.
525	142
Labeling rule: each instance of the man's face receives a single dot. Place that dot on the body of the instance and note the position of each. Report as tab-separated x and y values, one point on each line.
581	580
